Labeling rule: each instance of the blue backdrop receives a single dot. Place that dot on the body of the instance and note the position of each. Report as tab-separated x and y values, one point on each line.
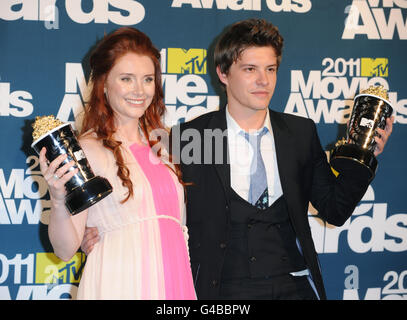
333	49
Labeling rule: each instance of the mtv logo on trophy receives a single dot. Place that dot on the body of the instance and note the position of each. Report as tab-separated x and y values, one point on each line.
84	189
370	110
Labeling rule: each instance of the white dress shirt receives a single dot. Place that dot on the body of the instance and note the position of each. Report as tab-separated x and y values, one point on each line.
241	154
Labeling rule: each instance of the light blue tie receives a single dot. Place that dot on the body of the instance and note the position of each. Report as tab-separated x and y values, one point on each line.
258	192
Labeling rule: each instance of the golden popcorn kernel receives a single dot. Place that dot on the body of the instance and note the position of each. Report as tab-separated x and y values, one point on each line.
340	142
44	124
379	91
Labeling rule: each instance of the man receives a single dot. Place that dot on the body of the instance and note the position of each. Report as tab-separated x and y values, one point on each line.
247	216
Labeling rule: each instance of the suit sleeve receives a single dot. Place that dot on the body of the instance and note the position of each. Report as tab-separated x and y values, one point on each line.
335	198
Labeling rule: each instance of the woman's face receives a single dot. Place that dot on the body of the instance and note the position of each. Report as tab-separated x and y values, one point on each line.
130	87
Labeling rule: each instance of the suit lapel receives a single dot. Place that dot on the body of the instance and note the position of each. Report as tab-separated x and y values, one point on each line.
218	122
284	145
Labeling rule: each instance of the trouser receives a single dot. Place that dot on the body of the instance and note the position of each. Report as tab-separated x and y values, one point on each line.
282	287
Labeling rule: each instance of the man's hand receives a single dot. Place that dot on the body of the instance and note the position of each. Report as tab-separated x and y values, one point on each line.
90	238
383	136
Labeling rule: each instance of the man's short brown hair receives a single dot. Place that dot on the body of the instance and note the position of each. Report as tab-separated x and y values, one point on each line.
245	34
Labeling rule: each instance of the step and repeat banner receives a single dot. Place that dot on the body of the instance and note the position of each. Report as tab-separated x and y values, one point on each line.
333	49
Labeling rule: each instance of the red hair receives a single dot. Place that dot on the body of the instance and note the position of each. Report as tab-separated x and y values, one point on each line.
99	116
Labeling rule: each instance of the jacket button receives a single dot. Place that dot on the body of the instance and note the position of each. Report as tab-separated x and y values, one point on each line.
214	283
222	245
252	259
249	225
227	208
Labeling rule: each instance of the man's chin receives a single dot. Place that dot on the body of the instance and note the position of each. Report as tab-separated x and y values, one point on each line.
261	107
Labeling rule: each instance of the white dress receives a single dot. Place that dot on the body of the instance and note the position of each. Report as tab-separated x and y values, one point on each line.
142	252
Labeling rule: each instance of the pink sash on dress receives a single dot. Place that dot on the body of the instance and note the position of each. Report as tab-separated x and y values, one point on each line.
177	270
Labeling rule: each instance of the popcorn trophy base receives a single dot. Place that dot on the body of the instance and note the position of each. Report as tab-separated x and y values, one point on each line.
87	194
355	160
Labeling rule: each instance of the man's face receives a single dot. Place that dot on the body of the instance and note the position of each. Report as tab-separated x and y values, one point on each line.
251	80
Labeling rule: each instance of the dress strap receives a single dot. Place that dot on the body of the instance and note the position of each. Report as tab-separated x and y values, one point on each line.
183	227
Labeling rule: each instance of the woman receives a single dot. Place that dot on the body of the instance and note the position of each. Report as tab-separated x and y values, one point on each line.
142	251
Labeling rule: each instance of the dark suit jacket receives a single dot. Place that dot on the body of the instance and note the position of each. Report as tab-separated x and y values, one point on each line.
305	177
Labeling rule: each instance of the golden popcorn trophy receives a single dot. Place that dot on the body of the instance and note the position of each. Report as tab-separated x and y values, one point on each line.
84	189
370	111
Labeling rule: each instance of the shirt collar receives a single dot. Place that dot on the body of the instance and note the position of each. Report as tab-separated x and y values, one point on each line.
234	126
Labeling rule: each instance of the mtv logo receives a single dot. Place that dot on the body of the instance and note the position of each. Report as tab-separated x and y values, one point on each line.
192	61
50	269
378	67
369	123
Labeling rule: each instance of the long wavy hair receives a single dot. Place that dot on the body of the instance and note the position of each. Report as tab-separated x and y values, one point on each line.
99	116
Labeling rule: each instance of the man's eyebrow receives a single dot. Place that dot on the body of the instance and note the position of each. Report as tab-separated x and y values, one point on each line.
255	65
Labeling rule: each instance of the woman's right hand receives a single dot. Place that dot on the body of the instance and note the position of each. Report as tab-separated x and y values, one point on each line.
56	177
